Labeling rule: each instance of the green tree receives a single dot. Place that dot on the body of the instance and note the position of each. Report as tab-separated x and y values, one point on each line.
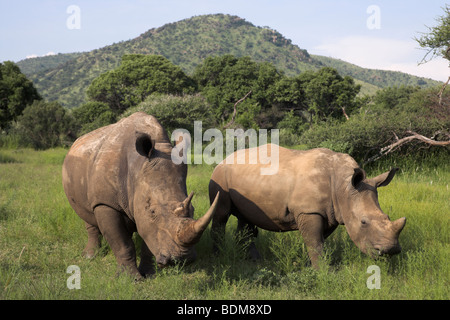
291	127
45	125
328	94
391	97
93	115
226	79
16	92
291	122
137	77
177	112
288	93
316	95
437	41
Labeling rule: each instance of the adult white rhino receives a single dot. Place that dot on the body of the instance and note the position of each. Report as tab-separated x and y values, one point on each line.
313	191
120	179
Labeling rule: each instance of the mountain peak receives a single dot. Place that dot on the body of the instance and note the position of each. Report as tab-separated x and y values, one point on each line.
218	20
185	43
216	28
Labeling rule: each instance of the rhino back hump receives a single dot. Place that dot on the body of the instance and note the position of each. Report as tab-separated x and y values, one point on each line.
303	184
97	169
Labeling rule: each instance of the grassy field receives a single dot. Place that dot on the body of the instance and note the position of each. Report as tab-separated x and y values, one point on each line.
41	236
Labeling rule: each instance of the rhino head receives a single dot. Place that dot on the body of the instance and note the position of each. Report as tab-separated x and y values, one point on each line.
368	227
162	211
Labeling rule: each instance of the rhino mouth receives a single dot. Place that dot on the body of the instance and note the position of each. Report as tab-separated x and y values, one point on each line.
379	251
166	261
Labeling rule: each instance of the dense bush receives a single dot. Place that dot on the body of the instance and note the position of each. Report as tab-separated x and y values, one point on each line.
393	115
310	108
291	127
312	95
226	79
16	92
44	125
92	115
328	94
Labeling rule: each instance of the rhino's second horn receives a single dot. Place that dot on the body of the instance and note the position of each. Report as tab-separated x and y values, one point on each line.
191	230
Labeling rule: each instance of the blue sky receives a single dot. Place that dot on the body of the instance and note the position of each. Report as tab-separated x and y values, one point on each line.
350	30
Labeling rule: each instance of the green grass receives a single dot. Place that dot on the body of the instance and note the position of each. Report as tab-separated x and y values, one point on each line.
40	236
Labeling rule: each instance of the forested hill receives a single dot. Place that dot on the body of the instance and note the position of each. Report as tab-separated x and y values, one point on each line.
65	77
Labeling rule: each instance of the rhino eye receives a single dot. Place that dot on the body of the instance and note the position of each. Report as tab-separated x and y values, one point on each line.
364	222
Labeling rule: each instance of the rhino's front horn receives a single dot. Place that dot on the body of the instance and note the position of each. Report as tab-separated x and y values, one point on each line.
191	230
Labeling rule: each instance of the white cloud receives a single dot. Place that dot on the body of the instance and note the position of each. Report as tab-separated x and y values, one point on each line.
31	56
384	53
437	69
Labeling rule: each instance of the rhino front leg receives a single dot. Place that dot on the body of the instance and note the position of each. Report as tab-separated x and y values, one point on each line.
146	266
311	227
113	226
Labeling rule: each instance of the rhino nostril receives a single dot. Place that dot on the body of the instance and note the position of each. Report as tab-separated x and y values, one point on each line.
377	251
162	260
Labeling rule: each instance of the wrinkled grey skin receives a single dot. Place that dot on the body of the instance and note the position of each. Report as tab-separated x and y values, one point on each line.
120	179
314	191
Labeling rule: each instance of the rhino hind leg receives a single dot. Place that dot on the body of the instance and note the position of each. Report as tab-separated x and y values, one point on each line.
218	228
220	220
249	233
113	226
224	209
93	244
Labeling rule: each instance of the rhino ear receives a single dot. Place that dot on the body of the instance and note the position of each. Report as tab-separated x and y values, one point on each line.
385	178
144	144
358	176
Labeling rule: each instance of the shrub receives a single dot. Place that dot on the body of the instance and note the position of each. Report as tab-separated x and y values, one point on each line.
93	115
45	125
378	125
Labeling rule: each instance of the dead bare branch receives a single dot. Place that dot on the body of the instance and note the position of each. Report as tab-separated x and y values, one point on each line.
442	90
235	110
345	113
399	142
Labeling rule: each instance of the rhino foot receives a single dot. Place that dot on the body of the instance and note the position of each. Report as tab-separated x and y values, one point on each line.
146	272
89	253
131	271
253	253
